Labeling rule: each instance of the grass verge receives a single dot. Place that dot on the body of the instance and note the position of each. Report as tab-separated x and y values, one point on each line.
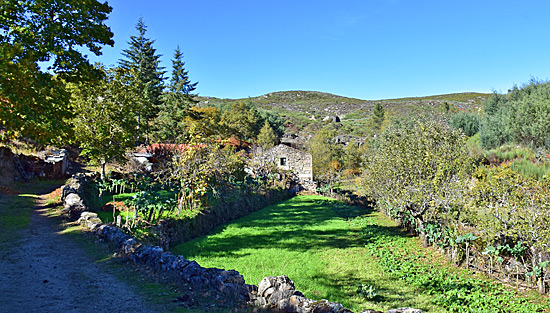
16	209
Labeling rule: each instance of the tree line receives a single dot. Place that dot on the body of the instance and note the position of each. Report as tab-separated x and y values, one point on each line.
106	111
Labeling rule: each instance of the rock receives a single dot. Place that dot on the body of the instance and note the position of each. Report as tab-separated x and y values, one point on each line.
405	310
279	293
66	190
89	220
73	200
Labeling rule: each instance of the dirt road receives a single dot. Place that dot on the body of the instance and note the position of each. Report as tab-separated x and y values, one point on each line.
43	270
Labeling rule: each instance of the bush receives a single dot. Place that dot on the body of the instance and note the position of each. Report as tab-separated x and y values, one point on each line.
521	116
467	122
531	170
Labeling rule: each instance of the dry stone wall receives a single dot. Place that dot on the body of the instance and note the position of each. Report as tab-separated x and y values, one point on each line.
8	173
273	293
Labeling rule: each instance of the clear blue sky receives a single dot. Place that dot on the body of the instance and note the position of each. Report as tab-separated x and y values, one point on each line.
370	49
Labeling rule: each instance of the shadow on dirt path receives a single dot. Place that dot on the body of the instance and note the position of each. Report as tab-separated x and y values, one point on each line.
43	270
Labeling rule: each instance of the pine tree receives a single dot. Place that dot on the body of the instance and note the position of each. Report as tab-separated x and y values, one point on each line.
143	64
180	83
267	137
378	115
176	102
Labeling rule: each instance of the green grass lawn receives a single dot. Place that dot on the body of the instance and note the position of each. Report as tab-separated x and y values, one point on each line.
305	239
328	249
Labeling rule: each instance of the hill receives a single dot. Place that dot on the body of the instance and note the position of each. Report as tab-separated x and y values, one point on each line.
304	108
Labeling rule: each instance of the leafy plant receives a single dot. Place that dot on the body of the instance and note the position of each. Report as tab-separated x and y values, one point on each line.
466	239
367	291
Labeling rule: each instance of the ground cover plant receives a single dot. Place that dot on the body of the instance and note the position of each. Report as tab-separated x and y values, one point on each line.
334	251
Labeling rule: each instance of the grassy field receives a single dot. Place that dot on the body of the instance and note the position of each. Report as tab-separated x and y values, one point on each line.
329	249
307	240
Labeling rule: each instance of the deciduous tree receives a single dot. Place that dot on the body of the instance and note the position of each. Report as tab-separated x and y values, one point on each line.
105	126
327	157
267	137
240	121
41	44
418	171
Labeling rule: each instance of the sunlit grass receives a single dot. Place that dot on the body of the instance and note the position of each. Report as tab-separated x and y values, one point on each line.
305	239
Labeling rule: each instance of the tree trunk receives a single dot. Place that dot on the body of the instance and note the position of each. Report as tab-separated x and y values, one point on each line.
150	215
103	163
541	286
467	254
422	232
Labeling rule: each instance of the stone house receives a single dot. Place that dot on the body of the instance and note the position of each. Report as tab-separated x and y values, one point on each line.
299	162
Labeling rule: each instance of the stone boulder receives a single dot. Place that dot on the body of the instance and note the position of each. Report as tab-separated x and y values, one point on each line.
280	294
89	220
73	206
405	310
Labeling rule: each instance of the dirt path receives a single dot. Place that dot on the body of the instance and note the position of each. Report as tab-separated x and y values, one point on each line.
46	271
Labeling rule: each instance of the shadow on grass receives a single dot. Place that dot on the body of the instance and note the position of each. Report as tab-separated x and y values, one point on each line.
344	287
39	187
300	224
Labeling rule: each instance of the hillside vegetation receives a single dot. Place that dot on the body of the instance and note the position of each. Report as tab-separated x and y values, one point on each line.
303	108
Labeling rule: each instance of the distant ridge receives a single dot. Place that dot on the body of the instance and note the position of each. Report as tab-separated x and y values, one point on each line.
321	103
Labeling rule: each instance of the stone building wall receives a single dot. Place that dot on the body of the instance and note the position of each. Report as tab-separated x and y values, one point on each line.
290	159
8	173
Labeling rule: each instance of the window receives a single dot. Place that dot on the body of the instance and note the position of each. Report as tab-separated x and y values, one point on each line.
282	162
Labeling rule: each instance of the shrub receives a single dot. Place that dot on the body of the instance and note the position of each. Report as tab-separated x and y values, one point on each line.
467	122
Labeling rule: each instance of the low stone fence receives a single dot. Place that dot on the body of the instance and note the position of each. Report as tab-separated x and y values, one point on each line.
273	293
174	232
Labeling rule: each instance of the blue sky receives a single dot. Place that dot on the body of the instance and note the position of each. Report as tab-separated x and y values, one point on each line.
370	49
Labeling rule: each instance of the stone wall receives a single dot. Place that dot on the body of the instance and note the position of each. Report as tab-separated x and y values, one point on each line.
273	293
8	173
173	232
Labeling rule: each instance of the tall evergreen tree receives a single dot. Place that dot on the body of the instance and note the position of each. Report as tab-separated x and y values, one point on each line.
180	83
143	63
176	102
378	115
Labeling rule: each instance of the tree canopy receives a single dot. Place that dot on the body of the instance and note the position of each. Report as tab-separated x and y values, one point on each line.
169	124
522	116
418	170
267	137
105	124
40	50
